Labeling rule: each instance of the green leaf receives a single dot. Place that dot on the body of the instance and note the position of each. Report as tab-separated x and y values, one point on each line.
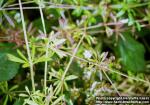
41	59
13	87
77	12
15	59
120	13
117	6
57	100
131	19
1	3
18	102
6	100
131	53
27	89
58	87
138	25
68	99
59	41
25	65
30	102
8	69
60	53
66	86
10	21
71	77
21	55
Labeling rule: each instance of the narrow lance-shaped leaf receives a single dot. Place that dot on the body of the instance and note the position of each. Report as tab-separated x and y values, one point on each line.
9	19
21	55
15	59
71	77
57	100
41	59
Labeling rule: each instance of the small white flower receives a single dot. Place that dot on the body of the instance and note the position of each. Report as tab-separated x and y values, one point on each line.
17	17
93	86
124	20
87	75
87	54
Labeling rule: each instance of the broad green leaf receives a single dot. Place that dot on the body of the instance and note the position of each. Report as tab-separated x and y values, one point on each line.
131	53
8	69
71	77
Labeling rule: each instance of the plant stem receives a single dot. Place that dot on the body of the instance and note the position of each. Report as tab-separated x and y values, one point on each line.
47	44
103	67
73	55
27	46
111	83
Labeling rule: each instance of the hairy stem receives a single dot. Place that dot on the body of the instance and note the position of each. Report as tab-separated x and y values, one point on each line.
27	47
47	44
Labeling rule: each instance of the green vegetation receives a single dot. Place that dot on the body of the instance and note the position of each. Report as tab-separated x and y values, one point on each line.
67	52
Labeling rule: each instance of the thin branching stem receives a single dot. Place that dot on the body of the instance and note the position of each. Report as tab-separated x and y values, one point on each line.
16	4
51	6
73	55
103	66
111	83
47	44
27	47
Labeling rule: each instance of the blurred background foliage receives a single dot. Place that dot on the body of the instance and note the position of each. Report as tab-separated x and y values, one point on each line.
112	59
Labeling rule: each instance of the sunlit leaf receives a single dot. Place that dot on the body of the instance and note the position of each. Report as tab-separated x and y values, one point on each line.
57	100
25	65
59	41
77	12
15	59
21	55
71	77
30	102
66	86
41	59
120	13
